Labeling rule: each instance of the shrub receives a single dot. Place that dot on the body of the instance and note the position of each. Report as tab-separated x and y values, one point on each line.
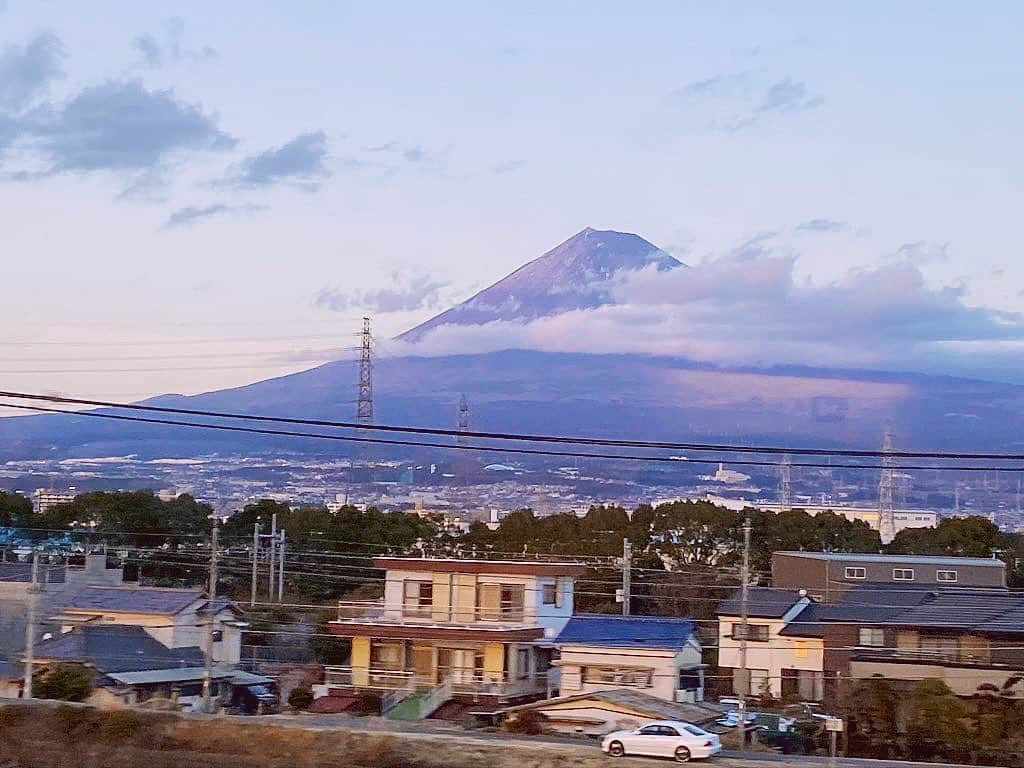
65	683
300	698
118	726
74	723
527	722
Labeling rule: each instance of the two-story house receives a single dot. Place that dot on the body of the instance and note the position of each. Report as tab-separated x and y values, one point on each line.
456	628
785	648
176	618
966	637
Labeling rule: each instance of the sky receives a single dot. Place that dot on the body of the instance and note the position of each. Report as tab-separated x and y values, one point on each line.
202	195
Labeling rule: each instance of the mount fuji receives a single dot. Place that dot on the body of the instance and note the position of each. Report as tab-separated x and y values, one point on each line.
638	396
573	275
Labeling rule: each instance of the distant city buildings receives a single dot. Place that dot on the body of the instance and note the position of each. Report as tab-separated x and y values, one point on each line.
43	500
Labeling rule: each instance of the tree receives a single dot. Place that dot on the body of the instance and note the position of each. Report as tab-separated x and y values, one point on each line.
873	718
300	698
696	533
15	510
936	719
960	536
63	682
241	523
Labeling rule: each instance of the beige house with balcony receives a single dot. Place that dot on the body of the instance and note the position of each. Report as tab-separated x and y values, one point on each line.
449	628
785	646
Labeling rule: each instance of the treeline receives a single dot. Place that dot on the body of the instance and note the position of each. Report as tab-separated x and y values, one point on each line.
690	536
928	722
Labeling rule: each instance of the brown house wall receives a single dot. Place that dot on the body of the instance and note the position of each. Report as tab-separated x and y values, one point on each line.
827	577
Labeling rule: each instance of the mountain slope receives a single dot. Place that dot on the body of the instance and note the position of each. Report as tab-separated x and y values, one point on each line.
615	395
573	275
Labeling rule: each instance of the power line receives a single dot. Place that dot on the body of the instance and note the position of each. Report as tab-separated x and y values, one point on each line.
524	437
456	446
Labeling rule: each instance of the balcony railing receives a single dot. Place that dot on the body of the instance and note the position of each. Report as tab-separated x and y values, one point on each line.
377	612
459	682
941	657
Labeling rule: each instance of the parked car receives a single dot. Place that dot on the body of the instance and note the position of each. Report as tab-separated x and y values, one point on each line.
732	719
665	738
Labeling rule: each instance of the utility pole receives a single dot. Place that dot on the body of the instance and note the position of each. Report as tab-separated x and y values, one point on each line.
30	627
280	571
273	547
785	485
744	691
255	564
364	404
886	513
627	573
211	596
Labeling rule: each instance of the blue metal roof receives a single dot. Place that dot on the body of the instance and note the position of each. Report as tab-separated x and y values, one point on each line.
626	631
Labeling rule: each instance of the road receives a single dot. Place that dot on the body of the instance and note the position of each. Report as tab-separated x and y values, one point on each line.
453	735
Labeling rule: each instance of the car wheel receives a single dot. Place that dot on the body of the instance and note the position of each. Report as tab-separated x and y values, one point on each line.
615	749
682	755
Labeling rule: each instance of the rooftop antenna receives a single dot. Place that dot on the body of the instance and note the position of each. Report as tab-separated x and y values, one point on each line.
886	513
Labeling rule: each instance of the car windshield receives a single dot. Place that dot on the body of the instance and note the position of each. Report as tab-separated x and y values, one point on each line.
694	730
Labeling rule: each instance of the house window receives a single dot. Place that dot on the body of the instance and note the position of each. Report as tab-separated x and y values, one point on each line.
757	633
624	676
387	656
871	637
948	577
218	635
500	602
551	594
689	680
418	599
522	663
903	574
854	572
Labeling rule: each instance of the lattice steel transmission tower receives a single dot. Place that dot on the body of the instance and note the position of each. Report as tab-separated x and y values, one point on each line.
886	511
364	402
463	418
785	486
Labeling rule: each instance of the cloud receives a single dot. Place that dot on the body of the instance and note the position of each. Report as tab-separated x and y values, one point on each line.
789	96
169	47
152	53
301	162
732	102
27	71
121	126
738	309
511	166
822	225
407	294
922	252
192	214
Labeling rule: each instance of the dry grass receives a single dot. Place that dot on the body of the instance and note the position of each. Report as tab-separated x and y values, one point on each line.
76	736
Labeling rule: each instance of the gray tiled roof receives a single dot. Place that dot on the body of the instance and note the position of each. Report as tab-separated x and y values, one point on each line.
986	611
876	602
640	702
117	648
807	623
134	599
762	603
22	572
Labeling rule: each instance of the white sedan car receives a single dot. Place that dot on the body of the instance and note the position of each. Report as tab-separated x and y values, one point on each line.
665	738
